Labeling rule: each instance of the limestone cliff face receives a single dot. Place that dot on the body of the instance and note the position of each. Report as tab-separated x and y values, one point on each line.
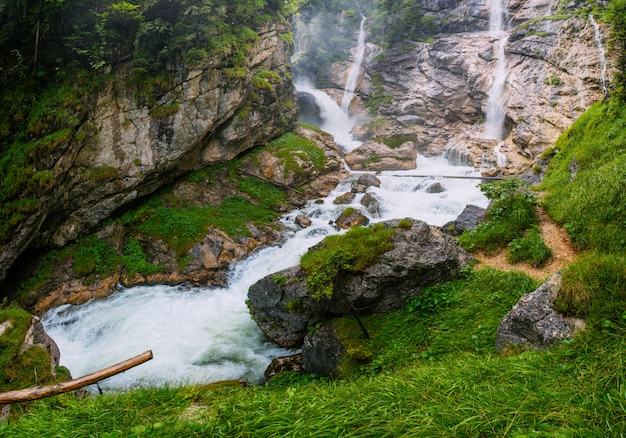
129	143
440	89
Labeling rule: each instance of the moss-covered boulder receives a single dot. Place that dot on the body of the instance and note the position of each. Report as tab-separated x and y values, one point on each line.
367	270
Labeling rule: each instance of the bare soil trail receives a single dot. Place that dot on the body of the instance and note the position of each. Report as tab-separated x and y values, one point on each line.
556	237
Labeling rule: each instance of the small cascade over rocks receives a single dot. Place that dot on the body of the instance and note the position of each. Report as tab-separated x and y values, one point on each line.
495	114
601	53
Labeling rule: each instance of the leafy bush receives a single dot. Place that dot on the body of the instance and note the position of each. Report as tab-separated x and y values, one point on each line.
512	211
531	248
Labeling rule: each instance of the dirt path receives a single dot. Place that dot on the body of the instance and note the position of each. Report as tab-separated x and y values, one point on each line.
555	237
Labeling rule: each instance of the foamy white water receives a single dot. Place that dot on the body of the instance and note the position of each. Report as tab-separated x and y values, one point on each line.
355	70
201	335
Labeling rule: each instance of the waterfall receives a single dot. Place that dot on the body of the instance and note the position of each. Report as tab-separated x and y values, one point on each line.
355	70
201	335
495	116
601	54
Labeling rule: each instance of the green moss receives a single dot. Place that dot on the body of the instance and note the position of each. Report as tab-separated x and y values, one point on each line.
93	255
350	253
102	174
20	370
233	73
394	142
405	224
279	279
135	260
295	306
165	111
288	146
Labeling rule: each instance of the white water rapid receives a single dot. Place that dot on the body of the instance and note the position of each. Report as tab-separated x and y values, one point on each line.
355	70
601	54
206	334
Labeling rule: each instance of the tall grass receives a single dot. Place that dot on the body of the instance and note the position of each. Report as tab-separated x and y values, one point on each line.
463	388
586	182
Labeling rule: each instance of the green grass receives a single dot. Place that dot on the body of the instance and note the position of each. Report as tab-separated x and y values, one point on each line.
432	370
352	252
592	205
20	370
290	146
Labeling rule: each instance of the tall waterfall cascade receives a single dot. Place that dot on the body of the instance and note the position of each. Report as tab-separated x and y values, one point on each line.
601	53
355	70
495	114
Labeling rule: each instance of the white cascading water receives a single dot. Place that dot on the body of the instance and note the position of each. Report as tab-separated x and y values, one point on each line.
201	335
601	54
495	115
355	70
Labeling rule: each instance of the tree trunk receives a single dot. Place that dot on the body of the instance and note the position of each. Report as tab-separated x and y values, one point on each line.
38	392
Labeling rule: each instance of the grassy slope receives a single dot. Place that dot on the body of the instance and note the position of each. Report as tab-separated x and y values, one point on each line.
431	368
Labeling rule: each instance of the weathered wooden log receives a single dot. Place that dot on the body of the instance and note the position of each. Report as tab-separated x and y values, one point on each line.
38	392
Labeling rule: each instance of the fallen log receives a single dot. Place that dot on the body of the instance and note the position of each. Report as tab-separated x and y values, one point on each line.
38	392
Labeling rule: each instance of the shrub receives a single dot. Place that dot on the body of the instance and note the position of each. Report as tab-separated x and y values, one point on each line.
531	248
511	212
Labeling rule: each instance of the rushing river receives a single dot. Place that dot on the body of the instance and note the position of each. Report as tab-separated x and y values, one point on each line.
206	334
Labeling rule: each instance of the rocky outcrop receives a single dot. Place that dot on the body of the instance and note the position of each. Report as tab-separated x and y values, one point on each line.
129	144
467	220
36	336
422	255
534	323
208	260
439	90
374	156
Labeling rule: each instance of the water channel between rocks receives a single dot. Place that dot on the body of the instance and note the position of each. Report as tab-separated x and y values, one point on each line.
201	335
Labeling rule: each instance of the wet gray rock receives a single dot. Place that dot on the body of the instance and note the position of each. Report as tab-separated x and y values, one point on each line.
370	202
285	363
368	180
303	221
323	351
346	198
36	336
422	255
533	322
467	220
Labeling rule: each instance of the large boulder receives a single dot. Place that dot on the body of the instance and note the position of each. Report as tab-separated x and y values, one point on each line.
533	322
467	220
376	155
422	255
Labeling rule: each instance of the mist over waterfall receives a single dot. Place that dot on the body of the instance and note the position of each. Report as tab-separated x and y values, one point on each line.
355	70
601	53
495	115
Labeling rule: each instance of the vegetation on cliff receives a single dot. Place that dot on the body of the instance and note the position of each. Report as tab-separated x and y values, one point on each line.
55	56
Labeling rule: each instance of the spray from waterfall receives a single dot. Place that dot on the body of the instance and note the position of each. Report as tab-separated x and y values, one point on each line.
353	76
598	37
